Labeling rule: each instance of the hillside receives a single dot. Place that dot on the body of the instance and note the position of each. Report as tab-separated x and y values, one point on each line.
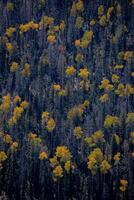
66	100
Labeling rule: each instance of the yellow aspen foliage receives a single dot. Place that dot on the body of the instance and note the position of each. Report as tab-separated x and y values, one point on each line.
77	43
103	20
120	90
17	112
130	118
132	2
117	157
84	43
45	116
123	185
7	139
17	99
86	104
105	166
78	132
67	166
54	161
128	55
106	85
89	142
12	121
51	39
37	141
86	39
95	138
26	71
118	66
128	90
85	85
43	155
79	22
115	78
32	136
14	67
100	10
116	138
109	12
114	39
132	137
1	166
79	58
14	146
63	153
62	92
132	154
56	28
121	55
50	125
56	87
58	171
10	31
24	104
46	21
34	139
95	158
92	22
132	74
98	136
92	164
3	156
33	25
1	134
84	73
109	87
26	27
88	35
111	121
104	98
75	112
80	5
97	154
70	71
6	102
9	47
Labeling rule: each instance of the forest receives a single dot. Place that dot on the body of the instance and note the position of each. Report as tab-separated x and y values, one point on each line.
66	99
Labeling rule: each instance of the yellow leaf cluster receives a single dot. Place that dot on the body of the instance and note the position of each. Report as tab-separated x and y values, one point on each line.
111	121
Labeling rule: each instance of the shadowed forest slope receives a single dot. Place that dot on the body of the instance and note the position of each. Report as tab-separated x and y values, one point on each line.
66	99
